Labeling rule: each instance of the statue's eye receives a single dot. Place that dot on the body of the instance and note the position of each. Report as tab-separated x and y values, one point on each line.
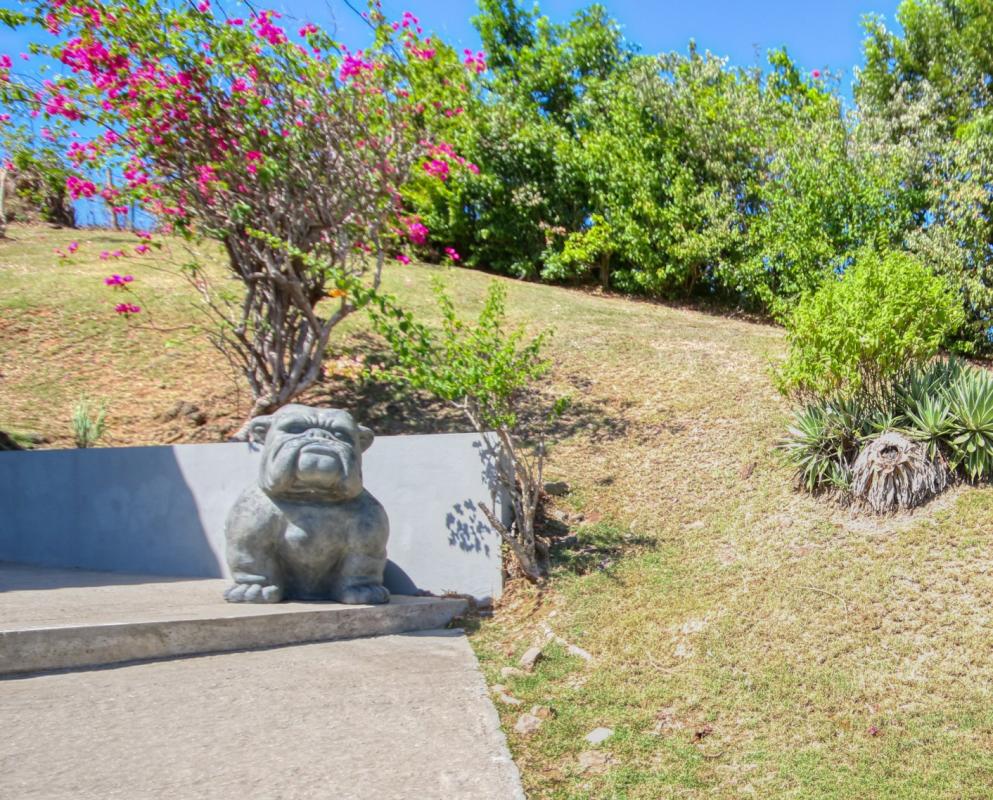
341	435
295	427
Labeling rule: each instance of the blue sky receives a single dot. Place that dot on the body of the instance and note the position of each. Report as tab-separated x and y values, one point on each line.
818	35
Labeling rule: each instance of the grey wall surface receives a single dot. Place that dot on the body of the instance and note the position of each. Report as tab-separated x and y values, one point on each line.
161	510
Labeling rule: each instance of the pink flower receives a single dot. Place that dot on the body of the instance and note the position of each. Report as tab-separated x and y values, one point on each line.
450	252
437	168
417	232
73	247
352	65
142	249
475	62
403	259
78	187
204	6
816	73
127	309
104	255
118	280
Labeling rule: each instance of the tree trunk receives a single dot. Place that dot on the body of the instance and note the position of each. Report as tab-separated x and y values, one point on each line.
110	203
605	270
60	210
3	210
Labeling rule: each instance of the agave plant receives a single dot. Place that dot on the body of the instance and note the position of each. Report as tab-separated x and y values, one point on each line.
823	440
970	438
929	421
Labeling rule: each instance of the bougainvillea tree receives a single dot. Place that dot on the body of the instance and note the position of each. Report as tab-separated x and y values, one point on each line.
285	146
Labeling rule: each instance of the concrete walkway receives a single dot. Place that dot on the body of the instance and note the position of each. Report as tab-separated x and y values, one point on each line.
397	716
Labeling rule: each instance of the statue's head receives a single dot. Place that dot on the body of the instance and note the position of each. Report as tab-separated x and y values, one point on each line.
312	454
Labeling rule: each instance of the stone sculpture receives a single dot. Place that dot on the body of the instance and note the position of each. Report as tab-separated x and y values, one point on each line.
308	530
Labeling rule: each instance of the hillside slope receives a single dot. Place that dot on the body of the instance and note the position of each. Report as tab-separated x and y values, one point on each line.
747	640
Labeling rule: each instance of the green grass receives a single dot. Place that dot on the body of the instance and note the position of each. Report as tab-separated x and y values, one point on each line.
749	641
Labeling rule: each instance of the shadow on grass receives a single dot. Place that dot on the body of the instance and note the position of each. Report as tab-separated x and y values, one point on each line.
390	410
592	548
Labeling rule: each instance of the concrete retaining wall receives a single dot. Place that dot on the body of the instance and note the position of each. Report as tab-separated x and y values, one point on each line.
161	510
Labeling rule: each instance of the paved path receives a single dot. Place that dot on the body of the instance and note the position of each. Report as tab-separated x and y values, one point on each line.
404	717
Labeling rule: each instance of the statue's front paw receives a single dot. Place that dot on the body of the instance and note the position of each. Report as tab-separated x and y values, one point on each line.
253	593
365	594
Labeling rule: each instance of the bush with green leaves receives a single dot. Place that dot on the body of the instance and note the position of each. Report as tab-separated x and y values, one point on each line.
492	375
885	314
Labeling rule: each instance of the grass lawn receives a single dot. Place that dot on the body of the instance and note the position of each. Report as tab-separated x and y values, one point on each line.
748	641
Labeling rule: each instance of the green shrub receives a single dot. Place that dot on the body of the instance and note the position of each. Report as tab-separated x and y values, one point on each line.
855	335
970	435
494	376
88	424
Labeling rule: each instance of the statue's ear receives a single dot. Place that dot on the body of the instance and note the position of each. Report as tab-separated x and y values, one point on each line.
258	428
365	437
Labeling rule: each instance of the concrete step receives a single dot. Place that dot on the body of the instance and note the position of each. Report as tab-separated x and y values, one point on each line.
69	619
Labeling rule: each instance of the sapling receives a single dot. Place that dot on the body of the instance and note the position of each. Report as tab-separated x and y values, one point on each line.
491	374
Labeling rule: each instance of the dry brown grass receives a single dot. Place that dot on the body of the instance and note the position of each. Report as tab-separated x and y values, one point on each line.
749	641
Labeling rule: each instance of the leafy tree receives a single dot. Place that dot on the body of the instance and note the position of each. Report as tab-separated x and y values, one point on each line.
39	169
927	92
520	129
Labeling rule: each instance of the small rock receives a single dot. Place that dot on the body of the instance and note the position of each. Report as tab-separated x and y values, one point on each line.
594	761
542	712
695	526
557	488
746	470
198	418
512	672
598	735
531	657
504	696
576	650
527	724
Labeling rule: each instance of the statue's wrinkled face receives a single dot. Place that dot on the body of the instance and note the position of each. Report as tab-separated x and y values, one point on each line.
311	454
